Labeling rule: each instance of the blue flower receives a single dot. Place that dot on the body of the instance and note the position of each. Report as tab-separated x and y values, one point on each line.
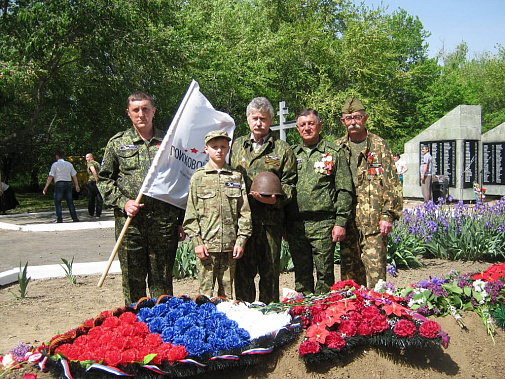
184	323
145	314
160	310
155	325
168	334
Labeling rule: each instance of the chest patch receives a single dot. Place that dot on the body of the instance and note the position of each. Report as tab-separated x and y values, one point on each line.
128	147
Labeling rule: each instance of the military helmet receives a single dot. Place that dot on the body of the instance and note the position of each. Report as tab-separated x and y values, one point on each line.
267	183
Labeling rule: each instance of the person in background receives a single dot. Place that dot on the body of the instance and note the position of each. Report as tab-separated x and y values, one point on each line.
319	216
218	218
378	201
401	167
252	154
8	199
95	201
63	173
147	252
425	171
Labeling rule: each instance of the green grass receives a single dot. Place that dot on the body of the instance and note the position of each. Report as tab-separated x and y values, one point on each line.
37	202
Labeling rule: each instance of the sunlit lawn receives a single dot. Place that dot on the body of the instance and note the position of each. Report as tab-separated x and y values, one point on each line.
37	202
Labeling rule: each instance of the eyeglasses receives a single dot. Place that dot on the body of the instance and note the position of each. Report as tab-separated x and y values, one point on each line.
357	117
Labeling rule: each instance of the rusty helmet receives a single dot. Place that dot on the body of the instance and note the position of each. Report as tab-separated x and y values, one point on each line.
267	183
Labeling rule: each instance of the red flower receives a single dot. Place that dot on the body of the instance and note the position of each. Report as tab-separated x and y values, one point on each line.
112	357
305	322
111	322
308	347
379	323
106	314
317	333
128	318
140	329
29	376
404	328
334	340
347	328
429	329
177	353
348	283
364	329
297	310
395	308
315	309
130	355
153	339
370	312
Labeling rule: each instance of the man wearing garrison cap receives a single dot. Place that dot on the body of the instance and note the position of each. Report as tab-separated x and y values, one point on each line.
378	201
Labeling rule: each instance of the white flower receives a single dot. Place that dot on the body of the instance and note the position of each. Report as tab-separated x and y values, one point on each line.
380	286
479	285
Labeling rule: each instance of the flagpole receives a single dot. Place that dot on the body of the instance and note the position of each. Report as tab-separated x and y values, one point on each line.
118	243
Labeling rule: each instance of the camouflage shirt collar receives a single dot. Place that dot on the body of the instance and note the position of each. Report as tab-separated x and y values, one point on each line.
135	136
320	146
226	168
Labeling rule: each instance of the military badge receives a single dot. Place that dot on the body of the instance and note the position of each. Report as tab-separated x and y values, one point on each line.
375	168
325	165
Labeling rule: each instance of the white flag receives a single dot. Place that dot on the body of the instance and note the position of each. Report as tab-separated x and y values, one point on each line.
181	151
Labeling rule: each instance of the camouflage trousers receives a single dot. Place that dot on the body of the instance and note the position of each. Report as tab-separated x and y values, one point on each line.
310	245
147	252
262	255
217	268
363	258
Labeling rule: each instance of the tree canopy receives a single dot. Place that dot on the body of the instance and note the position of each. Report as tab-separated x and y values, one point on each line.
67	67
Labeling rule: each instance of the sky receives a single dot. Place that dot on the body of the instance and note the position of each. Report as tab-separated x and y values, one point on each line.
480	23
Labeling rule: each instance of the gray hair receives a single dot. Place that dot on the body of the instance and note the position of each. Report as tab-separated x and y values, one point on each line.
260	104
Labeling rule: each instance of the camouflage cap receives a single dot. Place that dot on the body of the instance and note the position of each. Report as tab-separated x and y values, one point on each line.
352	104
216	134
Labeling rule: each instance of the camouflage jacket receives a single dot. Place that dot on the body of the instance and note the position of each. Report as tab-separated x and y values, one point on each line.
217	213
125	164
276	156
378	192
90	164
324	183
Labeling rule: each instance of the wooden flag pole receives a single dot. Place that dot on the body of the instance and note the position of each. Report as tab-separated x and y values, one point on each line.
118	243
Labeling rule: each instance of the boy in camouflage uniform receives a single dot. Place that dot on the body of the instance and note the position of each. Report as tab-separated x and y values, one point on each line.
378	200
150	243
319	216
218	218
251	154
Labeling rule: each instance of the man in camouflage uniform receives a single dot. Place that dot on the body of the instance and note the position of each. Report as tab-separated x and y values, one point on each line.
319	216
218	218
378	200
95	200
251	154
150	243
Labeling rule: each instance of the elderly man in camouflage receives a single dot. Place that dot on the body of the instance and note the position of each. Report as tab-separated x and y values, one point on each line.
319	216
378	200
150	242
251	154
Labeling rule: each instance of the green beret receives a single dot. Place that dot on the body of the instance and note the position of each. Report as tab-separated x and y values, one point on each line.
352	104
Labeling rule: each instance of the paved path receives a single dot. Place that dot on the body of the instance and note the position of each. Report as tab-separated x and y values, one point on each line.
36	239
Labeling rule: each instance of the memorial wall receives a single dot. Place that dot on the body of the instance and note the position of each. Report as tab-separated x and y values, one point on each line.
461	155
